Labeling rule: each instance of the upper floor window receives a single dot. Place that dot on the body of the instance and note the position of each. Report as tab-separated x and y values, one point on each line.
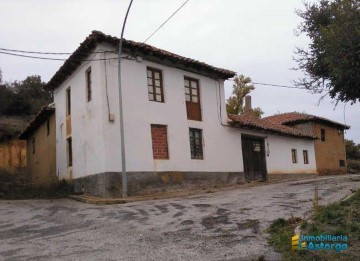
155	85
48	127
68	101
294	155
196	148
88	84
33	145
323	138
192	98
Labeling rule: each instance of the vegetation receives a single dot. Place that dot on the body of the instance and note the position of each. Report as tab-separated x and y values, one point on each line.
352	156
332	60
236	102
20	100
337	219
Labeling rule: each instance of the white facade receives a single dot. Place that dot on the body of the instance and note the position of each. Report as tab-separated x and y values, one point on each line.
96	140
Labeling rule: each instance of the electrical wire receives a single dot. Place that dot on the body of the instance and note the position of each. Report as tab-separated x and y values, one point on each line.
37	52
59	59
277	85
177	10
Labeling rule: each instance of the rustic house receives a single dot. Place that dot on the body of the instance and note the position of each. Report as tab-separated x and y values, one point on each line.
41	148
330	151
177	132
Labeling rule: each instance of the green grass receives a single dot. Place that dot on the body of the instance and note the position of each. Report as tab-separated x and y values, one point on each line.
341	218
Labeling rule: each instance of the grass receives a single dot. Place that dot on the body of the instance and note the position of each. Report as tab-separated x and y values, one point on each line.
341	218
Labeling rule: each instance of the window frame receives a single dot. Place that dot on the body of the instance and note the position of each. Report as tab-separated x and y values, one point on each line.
193	145
306	156
33	145
323	134
48	127
294	156
88	84
68	101
69	151
153	86
192	105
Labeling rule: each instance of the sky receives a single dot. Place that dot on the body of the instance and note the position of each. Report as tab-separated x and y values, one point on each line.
255	38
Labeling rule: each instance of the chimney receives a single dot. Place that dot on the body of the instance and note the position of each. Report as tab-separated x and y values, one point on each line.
248	107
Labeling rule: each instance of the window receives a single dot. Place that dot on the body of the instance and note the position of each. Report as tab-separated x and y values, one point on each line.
68	101
33	145
306	157
155	85
323	135
196	149
88	84
69	151
159	141
342	163
192	98
294	155
48	127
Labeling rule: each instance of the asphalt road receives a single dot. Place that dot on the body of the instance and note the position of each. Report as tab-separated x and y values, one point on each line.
226	225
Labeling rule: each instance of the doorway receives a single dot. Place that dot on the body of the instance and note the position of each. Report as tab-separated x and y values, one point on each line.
253	149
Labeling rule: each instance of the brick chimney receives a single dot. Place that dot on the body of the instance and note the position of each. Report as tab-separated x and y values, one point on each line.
248	107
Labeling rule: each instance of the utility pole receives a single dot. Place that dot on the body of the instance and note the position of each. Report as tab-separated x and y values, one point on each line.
121	122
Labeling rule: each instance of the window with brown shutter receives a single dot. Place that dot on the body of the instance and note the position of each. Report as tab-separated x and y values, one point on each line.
306	157
192	99
155	85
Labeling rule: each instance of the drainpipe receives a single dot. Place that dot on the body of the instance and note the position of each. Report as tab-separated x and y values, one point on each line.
121	122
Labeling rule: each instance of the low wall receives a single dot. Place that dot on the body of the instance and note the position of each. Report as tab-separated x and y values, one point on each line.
109	184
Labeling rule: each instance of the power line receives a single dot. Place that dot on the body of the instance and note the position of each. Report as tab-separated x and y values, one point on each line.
53	53
281	86
177	10
55	59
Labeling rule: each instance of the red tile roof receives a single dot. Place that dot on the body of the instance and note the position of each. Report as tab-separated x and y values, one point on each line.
250	122
35	123
292	118
134	48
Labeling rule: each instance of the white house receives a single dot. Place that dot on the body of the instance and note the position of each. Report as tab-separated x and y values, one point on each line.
177	132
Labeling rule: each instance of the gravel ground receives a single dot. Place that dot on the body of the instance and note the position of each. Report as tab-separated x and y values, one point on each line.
226	225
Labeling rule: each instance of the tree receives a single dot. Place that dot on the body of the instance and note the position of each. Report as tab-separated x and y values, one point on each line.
332	60
235	103
352	150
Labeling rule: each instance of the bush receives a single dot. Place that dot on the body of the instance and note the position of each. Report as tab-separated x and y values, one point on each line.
353	166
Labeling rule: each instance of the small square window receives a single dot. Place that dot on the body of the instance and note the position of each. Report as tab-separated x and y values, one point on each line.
342	163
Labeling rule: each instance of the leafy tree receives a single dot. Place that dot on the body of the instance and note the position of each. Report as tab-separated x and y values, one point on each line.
332	60
236	102
352	150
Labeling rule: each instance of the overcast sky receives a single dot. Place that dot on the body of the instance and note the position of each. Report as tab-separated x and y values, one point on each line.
255	38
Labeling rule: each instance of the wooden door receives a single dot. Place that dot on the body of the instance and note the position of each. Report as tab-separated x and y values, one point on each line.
253	149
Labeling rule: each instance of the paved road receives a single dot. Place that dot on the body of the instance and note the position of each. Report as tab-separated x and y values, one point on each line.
227	225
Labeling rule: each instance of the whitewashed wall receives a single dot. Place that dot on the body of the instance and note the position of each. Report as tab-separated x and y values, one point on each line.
279	157
96	140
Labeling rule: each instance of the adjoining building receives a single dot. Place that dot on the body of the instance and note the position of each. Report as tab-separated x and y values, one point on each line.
40	139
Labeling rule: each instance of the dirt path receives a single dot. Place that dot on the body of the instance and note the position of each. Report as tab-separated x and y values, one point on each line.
227	225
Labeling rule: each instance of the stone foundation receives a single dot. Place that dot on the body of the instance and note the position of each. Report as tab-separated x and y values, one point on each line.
109	184
290	176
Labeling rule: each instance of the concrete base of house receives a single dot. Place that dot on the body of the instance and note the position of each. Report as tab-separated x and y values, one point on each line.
290	176
109	184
